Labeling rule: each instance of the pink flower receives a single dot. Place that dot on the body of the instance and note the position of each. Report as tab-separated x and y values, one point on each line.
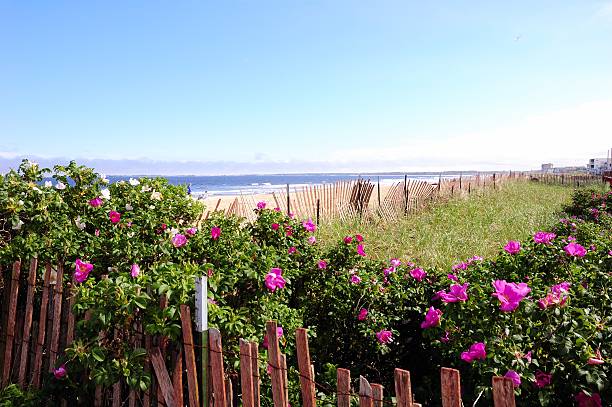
97	232
277	209
348	239
476	351
384	336
418	274
360	250
514	376
542	379
459	266
575	250
275	226
510	294
279	333
512	247
191	231
445	338
395	262
288	231
543	237
179	240
81	270
322	264
95	202
309	225
355	279
114	216
135	270
432	318
528	356
556	296
363	314
359	238
60	372
597	360
274	279
456	293
588	401
312	240
388	271
215	232
291	250
261	205
452	277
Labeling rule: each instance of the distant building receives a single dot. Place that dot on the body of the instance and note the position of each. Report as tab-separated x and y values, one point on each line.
599	165
547	167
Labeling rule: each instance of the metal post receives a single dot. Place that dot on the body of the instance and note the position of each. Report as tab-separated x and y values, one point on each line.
288	202
318	209
379	192
201	303
405	194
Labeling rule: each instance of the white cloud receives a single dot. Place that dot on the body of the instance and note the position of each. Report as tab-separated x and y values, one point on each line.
8	154
605	10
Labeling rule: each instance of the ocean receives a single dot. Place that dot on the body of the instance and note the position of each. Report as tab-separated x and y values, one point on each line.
203	185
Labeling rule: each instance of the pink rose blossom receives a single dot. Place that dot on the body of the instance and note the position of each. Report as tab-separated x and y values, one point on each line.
275	226
215	232
597	359
542	379
432	318
384	336
97	232
514	376
512	247
191	231
360	250
418	274
477	351
355	279
96	202
322	264
309	225
528	357
82	270
277	209
556	296
60	372
575	250
291	250
510	294
261	205
445	338
359	238
179	240
456	293
312	240
348	239
135	270
459	266
452	277
588	401
363	314
279	333
114	216
274	279
544	237
395	262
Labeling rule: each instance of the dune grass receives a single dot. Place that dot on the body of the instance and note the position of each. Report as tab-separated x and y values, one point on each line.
460	228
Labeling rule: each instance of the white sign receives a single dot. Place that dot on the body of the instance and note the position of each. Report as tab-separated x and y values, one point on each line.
201	303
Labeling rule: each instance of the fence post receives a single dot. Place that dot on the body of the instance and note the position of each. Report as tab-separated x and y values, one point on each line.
493	180
503	392
377	394
10	323
288	202
306	378
216	367
451	387
403	388
365	393
190	362
318	210
57	314
255	370
246	373
27	325
405	194
42	326
378	184
344	387
201	303
274	359
163	379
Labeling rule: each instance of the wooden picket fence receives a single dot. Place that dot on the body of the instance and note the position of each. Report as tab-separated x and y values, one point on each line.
571	180
38	324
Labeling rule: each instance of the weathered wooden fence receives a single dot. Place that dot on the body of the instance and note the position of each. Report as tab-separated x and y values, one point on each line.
38	324
572	180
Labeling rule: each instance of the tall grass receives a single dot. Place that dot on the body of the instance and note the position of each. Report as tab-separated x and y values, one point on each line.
460	228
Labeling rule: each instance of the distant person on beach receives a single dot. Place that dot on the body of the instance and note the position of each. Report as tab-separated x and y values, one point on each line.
189	189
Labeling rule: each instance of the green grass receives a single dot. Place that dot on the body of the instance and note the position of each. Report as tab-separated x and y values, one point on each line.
455	230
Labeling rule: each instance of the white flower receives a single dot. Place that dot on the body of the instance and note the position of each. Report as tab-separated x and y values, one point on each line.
172	231
60	185
151	206
18	225
128	207
120	182
134	182
48	184
156	195
20	203
145	188
105	194
37	189
79	224
103	179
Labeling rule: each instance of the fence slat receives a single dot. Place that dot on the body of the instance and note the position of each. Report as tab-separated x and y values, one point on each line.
57	314
503	392
217	374
403	388
285	381
365	393
451	387
344	387
42	326
255	370
192	378
10	324
27	324
377	394
306	379
163	378
229	393
177	376
274	359
246	374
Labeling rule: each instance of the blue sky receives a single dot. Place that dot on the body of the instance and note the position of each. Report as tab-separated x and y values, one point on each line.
345	85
